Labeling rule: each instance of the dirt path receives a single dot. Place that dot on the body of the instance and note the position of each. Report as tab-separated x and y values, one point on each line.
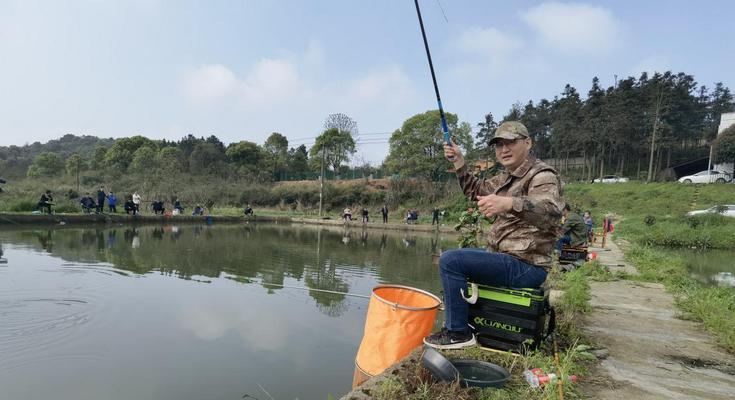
652	353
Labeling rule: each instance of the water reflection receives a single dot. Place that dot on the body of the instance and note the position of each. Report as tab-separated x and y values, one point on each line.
192	312
321	259
713	267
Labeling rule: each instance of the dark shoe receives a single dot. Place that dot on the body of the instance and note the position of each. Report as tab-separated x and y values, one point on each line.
448	340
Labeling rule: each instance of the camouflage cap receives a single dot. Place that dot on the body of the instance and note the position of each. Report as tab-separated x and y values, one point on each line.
510	130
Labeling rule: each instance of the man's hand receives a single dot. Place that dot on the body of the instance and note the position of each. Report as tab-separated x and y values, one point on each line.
493	204
453	154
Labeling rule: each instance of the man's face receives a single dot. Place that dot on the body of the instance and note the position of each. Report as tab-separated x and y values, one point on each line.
512	152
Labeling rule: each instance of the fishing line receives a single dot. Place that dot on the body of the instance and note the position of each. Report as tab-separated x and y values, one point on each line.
310	289
442	8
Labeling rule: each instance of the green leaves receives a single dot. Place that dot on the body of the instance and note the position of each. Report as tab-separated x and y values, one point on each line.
417	148
46	164
469	228
337	145
724	146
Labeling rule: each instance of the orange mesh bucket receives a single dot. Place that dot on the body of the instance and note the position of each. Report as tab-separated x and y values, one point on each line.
398	319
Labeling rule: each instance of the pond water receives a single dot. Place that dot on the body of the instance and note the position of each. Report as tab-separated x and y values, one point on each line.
712	267
171	312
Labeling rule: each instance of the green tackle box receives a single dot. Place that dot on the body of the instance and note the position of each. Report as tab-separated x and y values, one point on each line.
510	319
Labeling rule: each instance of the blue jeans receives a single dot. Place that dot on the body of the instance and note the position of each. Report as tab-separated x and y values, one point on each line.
482	267
566	239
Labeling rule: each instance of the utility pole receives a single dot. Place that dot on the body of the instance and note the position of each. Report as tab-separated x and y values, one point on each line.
321	184
653	135
709	163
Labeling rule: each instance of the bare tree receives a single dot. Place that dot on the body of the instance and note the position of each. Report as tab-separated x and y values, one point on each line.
342	123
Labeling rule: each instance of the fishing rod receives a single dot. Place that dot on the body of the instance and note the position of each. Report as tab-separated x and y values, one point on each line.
445	129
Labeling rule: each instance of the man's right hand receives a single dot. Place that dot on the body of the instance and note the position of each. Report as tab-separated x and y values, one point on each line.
453	154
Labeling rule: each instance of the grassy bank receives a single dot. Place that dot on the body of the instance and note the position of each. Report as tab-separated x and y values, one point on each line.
228	197
655	214
416	383
652	217
712	306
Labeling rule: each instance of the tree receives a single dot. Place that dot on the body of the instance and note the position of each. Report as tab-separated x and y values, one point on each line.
170	160
721	101
566	123
724	146
97	161
46	164
276	153
214	140
120	155
342	123
145	161
298	160
171	163
75	164
145	166
337	146
537	119
514	114
416	149
207	159
594	124
486	132
188	143
247	156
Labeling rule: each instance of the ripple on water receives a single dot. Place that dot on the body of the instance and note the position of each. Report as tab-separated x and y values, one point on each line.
33	325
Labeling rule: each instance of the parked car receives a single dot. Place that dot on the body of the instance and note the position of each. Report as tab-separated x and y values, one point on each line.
707	177
726	210
610	179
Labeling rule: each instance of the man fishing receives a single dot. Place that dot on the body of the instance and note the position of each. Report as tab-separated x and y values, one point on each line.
526	201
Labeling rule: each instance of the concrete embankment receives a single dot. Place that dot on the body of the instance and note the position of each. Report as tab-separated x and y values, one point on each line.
653	353
17	219
8	219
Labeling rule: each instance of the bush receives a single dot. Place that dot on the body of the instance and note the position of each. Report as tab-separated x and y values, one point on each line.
23	206
91	180
258	195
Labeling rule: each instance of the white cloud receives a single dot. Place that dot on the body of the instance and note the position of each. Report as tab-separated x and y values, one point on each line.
278	82
485	53
575	27
487	42
651	64
304	88
270	80
210	83
213	321
388	86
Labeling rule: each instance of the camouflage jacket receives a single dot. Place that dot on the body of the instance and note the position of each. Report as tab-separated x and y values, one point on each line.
530	229
575	227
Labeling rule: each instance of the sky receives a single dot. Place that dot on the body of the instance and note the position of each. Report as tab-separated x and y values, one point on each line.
242	69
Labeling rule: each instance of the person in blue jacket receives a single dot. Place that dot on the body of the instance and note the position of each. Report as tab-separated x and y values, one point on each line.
112	202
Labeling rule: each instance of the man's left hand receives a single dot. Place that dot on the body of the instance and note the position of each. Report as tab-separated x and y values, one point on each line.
493	204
